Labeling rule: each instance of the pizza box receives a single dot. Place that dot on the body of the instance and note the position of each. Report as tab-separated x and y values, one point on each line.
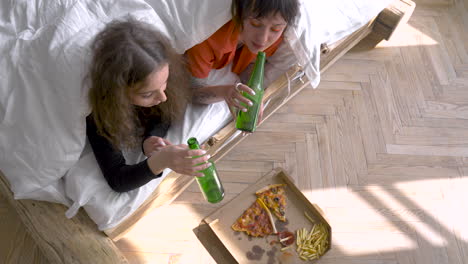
228	246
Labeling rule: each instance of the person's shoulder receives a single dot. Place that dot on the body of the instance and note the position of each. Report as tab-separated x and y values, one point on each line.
227	33
90	123
228	28
89	118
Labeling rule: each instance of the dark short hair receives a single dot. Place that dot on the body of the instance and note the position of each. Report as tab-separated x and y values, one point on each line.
241	9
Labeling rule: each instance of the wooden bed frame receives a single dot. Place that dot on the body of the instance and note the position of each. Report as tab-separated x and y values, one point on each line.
78	240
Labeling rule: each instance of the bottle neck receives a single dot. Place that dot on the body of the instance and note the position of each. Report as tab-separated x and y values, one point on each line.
256	78
193	143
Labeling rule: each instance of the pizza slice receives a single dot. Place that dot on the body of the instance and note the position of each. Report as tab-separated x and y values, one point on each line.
254	221
274	197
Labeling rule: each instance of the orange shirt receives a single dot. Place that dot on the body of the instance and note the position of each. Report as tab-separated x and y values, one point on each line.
219	50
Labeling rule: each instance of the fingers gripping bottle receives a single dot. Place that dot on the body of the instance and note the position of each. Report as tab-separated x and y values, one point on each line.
210	185
247	121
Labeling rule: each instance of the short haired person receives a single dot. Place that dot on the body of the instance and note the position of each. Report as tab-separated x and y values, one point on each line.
256	25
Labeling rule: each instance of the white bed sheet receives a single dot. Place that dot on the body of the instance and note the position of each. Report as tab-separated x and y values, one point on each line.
45	53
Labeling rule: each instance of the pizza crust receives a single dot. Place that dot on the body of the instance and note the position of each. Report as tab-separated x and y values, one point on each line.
269	187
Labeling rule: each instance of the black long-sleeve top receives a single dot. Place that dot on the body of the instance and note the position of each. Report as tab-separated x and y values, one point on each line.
120	176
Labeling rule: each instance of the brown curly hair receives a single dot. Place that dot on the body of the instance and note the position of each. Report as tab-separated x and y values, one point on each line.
124	54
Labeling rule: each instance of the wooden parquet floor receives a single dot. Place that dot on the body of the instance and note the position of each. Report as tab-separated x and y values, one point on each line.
381	146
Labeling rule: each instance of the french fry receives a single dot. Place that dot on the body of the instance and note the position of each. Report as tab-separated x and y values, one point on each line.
284	239
285	248
308	217
312	244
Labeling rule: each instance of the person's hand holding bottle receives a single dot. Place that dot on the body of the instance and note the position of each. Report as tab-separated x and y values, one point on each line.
178	158
233	96
153	144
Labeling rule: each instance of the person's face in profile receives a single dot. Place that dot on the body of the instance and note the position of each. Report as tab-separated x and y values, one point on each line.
260	33
151	92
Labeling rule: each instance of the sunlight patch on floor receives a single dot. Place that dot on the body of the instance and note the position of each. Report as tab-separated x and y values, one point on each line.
410	36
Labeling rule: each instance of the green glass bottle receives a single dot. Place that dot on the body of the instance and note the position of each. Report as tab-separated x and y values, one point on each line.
247	121
210	185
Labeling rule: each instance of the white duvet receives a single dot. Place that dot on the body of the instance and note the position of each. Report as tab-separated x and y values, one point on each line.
44	47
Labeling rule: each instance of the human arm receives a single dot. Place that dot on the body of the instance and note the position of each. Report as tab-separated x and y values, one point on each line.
120	176
153	143
180	159
153	137
202	60
176	157
204	94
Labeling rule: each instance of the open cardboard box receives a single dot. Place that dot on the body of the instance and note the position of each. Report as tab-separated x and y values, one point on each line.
229	246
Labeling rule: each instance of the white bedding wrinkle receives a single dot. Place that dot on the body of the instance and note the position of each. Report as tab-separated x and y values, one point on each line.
191	21
45	56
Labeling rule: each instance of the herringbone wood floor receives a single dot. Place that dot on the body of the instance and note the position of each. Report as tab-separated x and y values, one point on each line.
381	147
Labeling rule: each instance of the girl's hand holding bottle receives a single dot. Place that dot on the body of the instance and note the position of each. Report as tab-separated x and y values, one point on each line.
153	144
233	96
180	159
